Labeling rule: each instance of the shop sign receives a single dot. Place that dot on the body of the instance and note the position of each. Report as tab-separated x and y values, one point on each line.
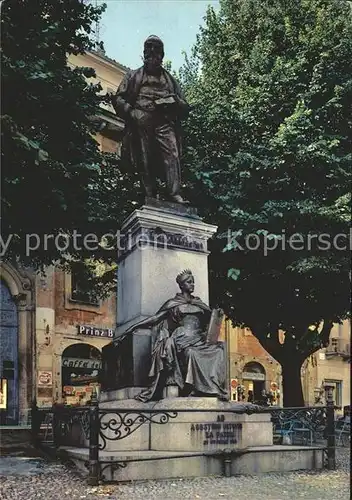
92	331
45	378
253	376
93	364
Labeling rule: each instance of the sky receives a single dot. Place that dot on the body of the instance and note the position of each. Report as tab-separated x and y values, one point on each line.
127	23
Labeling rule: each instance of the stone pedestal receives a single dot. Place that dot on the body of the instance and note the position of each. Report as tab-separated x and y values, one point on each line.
158	242
189	437
201	425
127	365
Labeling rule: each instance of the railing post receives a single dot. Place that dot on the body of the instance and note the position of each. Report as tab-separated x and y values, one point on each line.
330	428
56	423
93	475
34	423
227	462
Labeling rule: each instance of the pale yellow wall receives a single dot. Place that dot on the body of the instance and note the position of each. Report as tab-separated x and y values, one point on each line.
321	367
335	368
56	328
108	74
243	348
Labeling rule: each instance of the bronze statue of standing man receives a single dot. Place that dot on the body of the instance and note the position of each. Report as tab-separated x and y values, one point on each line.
152	104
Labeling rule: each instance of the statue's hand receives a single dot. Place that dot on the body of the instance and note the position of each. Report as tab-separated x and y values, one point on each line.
132	115
120	338
117	341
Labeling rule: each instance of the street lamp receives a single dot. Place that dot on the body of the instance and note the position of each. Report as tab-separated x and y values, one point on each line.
330	420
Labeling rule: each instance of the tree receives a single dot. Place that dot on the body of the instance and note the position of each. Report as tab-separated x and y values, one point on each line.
55	182
268	151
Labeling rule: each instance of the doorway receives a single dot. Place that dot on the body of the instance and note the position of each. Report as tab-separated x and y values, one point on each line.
9	403
253	377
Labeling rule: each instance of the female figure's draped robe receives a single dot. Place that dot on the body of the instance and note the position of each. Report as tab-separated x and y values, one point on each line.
181	354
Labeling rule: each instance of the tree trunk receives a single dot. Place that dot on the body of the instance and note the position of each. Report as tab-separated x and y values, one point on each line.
291	381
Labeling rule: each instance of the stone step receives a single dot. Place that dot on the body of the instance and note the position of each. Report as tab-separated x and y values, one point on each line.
148	465
14	437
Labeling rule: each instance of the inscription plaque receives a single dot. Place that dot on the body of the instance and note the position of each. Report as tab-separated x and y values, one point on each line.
219	432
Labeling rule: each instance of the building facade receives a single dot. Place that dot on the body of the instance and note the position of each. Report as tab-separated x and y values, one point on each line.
109	74
70	334
251	370
332	366
253	373
17	344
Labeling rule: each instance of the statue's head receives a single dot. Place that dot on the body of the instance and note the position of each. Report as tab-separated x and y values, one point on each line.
153	53
185	281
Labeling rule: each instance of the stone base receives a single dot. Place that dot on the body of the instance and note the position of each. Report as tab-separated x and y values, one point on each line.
172	207
14	438
149	465
194	429
119	395
159	241
126	366
192	442
128	393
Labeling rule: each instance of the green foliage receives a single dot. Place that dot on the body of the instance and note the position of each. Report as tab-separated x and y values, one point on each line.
268	151
55	179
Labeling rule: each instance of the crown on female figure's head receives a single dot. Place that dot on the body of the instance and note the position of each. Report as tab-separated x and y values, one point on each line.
184	275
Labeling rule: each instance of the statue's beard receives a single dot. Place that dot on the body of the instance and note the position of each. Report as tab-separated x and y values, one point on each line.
152	63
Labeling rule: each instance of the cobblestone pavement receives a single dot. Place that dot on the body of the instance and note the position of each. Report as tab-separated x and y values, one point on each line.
33	478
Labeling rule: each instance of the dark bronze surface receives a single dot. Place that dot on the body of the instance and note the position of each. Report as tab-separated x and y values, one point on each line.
172	207
181	355
152	104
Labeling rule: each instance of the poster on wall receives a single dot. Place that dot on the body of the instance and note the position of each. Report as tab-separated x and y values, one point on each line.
79	394
45	378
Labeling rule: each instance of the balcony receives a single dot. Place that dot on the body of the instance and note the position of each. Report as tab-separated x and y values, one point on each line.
338	347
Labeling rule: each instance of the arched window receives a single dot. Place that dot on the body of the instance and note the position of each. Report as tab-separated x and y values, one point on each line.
253	367
81	368
253	376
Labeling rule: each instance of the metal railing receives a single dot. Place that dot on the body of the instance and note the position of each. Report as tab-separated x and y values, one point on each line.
91	427
306	425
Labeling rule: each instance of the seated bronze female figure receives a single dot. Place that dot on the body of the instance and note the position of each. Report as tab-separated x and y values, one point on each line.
181	355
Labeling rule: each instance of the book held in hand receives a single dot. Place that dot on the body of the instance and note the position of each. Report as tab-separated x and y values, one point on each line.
214	327
165	100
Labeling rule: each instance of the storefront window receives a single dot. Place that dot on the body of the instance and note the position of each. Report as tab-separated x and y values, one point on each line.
81	368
